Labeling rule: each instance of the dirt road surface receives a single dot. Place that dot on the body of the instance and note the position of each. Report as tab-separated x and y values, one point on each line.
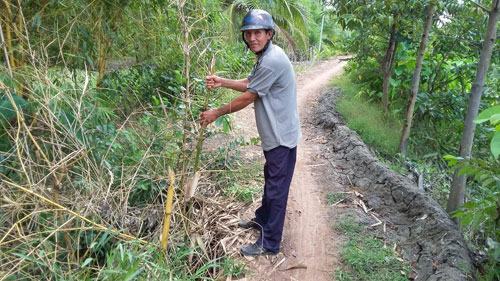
309	249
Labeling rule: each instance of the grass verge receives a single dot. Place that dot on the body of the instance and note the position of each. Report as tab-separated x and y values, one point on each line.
367	118
365	257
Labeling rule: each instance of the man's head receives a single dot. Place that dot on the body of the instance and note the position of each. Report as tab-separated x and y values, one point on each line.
257	29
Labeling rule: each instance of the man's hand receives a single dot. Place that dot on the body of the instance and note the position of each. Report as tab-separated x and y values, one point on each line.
213	81
208	117
236	104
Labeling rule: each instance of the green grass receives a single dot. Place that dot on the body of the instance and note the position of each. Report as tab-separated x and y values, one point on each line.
367	118
233	267
334	197
365	258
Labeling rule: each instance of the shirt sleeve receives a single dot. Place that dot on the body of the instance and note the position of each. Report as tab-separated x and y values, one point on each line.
261	81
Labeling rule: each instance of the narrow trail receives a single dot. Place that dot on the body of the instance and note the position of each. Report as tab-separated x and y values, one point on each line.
309	249
332	158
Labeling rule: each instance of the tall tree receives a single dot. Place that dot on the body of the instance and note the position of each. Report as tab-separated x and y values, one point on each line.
415	83
457	193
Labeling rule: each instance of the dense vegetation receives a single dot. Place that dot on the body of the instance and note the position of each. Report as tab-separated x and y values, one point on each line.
98	99
421	72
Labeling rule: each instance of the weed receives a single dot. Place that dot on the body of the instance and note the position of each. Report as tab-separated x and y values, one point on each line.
232	267
334	197
365	257
242	193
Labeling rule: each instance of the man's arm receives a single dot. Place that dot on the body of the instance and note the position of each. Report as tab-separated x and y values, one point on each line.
236	104
214	81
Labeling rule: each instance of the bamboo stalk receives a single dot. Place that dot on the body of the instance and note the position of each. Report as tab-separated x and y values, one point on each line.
201	134
183	160
18	31
8	33
168	210
193	183
5	51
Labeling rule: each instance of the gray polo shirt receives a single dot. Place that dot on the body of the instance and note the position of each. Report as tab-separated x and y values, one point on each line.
276	115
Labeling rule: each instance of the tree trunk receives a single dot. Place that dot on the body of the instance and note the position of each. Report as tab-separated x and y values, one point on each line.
415	82
457	192
387	64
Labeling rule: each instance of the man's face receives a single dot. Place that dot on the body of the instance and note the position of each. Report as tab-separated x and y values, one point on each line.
257	39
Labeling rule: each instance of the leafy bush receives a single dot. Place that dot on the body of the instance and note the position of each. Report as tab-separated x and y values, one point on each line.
139	85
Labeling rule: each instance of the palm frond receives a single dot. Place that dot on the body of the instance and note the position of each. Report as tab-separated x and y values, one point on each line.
289	16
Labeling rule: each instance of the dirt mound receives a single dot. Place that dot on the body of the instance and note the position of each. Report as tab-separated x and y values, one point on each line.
427	237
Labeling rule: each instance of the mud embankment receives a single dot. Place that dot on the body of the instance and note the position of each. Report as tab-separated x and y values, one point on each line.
429	240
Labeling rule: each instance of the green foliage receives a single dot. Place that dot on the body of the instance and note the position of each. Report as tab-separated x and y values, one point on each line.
365	257
492	115
367	118
126	89
130	261
448	71
9	101
7	105
479	216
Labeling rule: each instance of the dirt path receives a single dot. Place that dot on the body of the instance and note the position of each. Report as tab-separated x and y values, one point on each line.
309	250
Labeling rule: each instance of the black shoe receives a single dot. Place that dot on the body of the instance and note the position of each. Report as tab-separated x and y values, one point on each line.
249	224
255	250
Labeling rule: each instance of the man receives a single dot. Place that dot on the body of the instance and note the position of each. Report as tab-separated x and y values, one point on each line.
271	88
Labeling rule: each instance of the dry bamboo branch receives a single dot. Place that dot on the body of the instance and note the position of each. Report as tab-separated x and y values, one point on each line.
36	247
168	210
18	222
100	226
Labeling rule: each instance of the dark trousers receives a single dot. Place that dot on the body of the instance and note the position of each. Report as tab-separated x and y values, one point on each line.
278	172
